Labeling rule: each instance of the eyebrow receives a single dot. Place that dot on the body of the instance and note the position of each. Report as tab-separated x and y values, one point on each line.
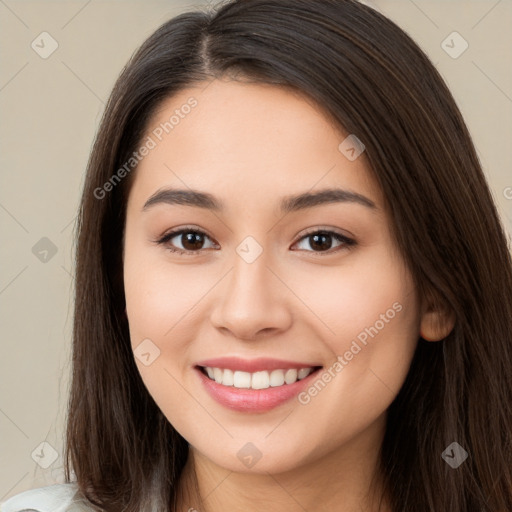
289	204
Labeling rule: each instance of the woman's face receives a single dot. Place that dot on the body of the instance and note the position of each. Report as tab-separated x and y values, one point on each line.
278	276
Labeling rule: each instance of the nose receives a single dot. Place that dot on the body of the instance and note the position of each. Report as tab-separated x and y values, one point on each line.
252	301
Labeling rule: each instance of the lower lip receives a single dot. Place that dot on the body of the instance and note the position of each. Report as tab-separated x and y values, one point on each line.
253	400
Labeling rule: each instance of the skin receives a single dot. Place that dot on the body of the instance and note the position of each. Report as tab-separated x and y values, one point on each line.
250	145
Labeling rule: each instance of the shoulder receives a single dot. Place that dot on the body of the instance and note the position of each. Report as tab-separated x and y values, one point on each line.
53	498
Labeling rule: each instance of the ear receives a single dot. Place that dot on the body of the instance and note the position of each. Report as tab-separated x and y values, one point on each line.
437	322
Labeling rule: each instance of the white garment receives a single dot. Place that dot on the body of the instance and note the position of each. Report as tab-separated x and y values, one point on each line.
53	498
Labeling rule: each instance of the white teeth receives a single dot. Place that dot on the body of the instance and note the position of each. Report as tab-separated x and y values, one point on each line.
217	375
290	376
228	378
241	379
304	372
257	380
260	380
277	378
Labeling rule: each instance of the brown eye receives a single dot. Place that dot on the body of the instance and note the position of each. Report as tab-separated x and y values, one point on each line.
322	241
192	241
185	240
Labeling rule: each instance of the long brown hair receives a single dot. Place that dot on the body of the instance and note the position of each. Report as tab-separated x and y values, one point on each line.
377	83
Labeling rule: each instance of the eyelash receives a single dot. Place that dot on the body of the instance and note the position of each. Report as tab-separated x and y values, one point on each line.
347	242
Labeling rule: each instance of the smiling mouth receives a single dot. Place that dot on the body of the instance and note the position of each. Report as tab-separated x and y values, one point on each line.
256	380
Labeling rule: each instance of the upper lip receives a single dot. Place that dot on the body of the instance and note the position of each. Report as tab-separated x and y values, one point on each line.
254	365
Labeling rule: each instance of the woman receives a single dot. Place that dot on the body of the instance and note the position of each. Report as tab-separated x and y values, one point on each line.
292	285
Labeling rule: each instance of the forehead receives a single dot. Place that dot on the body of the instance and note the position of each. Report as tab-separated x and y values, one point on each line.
247	139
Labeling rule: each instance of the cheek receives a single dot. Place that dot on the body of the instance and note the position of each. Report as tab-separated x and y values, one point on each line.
370	320
160	296
368	317
158	299
160	305
369	291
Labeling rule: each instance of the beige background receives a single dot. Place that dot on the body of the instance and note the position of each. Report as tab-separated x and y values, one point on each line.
50	109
